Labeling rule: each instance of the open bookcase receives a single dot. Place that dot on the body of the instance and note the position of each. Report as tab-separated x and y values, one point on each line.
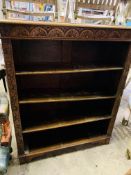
65	89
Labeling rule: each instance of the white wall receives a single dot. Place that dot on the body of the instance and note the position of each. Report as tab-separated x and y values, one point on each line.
1	15
129	8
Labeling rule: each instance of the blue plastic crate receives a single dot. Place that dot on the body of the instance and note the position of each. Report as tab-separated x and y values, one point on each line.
128	23
4	159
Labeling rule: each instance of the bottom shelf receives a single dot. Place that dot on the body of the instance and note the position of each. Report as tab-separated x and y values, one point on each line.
41	151
51	140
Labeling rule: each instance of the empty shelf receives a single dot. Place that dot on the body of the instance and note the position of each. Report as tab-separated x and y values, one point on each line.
36	152
59	124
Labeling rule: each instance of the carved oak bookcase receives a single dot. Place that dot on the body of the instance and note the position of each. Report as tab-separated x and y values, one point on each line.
65	83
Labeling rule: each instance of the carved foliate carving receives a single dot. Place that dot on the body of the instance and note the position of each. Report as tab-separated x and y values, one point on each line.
38	32
19	31
56	33
101	34
72	33
114	34
126	34
87	34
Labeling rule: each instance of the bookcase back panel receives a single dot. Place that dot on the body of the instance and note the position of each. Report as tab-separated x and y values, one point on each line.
99	53
46	113
65	135
44	54
37	52
82	83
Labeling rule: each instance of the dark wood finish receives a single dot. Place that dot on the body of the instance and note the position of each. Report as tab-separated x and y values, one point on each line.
65	83
120	90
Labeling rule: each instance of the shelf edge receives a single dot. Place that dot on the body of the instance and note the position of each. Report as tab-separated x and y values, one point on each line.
67	71
64	99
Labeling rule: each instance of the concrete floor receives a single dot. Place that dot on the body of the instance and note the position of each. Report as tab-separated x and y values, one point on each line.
102	160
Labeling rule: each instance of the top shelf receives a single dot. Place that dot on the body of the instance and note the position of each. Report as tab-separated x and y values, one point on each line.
64	57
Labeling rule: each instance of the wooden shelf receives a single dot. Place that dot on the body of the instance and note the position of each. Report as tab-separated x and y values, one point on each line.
66	145
51	1
52	115
31	13
67	87
64	99
68	71
59	124
64	135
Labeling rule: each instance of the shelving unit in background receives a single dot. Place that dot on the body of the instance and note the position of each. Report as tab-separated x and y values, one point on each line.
29	13
96	11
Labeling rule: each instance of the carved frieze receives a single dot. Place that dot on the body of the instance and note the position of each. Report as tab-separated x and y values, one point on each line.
63	32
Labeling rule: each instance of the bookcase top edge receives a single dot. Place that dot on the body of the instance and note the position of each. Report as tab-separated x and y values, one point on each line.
20	22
